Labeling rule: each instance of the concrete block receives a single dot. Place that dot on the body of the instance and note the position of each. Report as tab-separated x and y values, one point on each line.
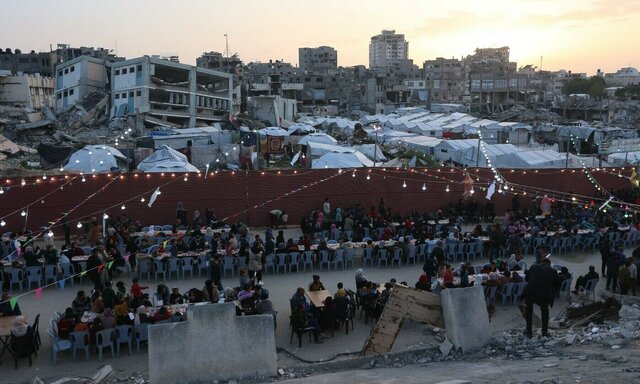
466	318
446	347
213	344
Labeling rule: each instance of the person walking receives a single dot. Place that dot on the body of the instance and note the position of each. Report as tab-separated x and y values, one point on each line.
542	284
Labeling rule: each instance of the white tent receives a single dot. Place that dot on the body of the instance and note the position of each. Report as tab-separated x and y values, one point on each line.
372	151
166	159
337	160
273	131
318	137
96	159
300	128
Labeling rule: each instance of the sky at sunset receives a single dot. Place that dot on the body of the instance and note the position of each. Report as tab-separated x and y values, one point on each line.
576	35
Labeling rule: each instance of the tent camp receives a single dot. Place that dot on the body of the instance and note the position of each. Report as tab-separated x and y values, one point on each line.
166	159
372	151
337	160
96	159
300	129
273	131
318	137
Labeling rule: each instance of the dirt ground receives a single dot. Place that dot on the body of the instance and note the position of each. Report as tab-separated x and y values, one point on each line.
413	336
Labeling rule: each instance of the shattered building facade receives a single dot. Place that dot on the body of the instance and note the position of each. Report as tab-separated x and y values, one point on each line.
321	59
33	91
232	65
78	78
446	80
169	94
33	62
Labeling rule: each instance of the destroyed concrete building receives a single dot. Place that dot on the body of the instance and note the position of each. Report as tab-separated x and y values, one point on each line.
318	60
33	62
66	52
33	91
446	80
77	78
232	65
169	94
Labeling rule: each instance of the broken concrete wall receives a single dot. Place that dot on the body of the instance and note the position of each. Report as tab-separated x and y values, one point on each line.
466	318
213	344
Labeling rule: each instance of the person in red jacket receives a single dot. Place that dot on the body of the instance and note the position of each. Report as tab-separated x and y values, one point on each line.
136	292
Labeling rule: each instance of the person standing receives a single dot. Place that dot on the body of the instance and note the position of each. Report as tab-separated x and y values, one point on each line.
542	283
326	208
605	252
624	277
633	276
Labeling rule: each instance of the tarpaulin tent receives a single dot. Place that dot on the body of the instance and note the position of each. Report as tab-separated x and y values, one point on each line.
166	159
317	138
96	159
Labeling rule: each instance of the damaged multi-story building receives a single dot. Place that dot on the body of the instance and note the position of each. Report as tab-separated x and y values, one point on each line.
229	64
318	60
77	78
169	94
446	80
25	90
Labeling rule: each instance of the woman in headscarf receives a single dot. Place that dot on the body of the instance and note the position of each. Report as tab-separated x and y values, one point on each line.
361	280
19	326
141	316
108	320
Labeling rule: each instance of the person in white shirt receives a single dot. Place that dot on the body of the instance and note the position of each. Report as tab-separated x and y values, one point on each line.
326	207
633	276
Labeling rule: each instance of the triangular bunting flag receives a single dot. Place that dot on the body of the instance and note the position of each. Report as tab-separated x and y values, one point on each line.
126	258
61	282
164	244
38	292
13	301
110	264
100	268
491	190
83	273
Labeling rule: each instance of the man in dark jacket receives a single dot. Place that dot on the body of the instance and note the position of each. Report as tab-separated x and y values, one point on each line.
542	283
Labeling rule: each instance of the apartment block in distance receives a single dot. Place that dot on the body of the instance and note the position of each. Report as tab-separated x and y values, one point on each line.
320	59
387	49
26	90
169	94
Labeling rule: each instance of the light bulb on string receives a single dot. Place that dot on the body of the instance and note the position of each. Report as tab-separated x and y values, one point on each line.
424	186
50	233
353	174
368	177
404	184
3	223
142	199
83	179
44	177
79	225
123	207
23	213
61	169
1	190
447	190
105	216
23	182
472	190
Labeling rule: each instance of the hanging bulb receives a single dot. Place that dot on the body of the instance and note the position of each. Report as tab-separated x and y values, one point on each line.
105	216
79	225
159	192
1	190
447	190
2	223
44	177
83	179
404	184
50	233
123	207
23	182
23	213
424	186
61	169
186	178
472	190
142	199
353	174
368	177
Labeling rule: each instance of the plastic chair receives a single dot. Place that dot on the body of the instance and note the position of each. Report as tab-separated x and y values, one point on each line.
173	266
203	264
307	259
86	250
383	255
490	294
294	261
50	273
420	252
80	340
67	272
281	262
81	266
187	266
411	257
144	268
367	256
159	269
141	334
590	288
36	332
16	276
565	289
397	257
228	265
105	339
324	259
57	345
269	262
348	257
300	331
338	258
506	292
34	275
23	346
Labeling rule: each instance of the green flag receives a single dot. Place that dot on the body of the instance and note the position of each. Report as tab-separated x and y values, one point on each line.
13	301
110	264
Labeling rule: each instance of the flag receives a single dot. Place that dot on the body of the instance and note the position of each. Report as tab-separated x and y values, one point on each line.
83	273
13	301
491	190
126	257
153	198
38	292
110	264
100	268
635	180
61	282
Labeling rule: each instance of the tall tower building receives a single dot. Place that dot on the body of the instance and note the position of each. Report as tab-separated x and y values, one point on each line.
387	49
